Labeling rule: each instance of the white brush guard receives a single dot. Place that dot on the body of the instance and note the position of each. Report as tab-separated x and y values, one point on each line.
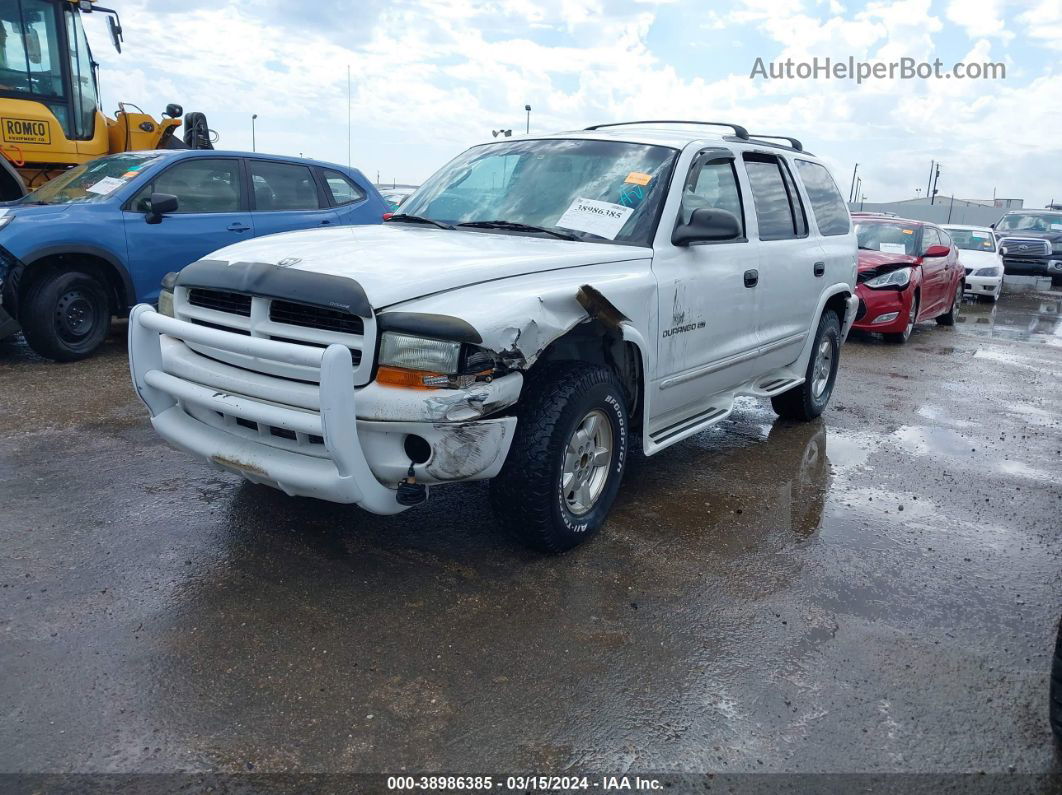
341	476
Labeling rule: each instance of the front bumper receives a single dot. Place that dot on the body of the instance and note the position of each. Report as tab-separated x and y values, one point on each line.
878	304
1033	266
983	285
8	325
306	439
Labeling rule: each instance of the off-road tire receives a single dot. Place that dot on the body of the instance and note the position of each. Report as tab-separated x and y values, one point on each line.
949	317
527	495
1056	687
46	325
800	402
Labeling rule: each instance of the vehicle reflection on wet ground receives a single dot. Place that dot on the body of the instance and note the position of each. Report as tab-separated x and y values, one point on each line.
874	591
1035	317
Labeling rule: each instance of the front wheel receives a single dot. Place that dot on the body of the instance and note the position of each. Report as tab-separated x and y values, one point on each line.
567	458
66	315
900	337
807	401
949	317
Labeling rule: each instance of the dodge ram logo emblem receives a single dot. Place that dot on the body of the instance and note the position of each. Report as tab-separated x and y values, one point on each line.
287	262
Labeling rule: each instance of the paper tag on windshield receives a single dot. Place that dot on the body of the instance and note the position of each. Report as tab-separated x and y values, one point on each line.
893	248
105	186
638	178
603	219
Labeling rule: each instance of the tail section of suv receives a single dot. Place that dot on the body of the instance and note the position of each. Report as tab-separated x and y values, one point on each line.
538	306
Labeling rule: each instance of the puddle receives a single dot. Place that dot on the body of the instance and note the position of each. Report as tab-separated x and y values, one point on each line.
924	440
1030	317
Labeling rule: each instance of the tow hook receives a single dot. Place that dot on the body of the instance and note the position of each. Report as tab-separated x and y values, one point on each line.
409	491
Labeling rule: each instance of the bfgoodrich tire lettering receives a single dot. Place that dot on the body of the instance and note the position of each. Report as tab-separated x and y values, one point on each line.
528	495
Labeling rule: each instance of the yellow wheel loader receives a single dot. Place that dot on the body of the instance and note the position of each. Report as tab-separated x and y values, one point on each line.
50	118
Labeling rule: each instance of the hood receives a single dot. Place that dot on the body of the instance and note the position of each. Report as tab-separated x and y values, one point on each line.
872	260
1055	236
400	262
35	210
978	259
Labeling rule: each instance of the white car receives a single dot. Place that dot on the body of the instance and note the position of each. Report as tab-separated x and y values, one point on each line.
536	307
980	255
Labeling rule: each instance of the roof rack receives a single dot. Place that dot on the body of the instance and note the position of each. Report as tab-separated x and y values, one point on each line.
739	131
793	142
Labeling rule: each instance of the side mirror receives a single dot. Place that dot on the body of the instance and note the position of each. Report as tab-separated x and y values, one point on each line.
1003	251
707	225
158	204
937	251
116	32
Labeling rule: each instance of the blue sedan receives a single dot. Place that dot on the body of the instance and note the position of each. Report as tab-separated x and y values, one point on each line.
98	239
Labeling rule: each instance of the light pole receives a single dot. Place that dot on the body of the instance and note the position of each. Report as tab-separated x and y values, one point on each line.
528	109
253	117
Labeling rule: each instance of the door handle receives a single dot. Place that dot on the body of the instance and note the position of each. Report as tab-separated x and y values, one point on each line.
820	268
751	277
238	226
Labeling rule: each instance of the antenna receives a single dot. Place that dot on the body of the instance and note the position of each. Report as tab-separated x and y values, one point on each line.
348	115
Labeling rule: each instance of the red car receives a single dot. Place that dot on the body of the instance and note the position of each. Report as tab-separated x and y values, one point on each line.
909	271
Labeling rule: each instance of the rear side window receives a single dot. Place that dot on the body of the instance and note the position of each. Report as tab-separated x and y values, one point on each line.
779	210
714	187
929	238
831	214
283	186
342	189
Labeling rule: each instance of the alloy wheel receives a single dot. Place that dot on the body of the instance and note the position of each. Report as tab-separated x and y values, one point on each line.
587	459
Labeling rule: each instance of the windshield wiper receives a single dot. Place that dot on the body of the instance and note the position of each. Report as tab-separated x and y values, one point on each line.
419	219
516	227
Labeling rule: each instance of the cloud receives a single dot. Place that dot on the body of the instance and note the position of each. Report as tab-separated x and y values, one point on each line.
979	17
431	77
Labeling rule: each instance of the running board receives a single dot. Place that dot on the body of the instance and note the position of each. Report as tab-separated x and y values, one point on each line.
775	386
689	425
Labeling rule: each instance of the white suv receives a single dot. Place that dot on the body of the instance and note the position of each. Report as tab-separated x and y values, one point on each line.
538	304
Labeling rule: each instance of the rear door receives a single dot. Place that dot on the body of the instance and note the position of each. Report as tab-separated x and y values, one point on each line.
349	199
285	197
211	214
830	216
789	259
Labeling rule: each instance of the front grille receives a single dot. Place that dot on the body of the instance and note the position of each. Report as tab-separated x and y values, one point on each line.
221	301
315	317
1026	246
220	327
862	311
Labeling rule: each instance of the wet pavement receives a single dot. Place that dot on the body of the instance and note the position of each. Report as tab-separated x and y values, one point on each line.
876	591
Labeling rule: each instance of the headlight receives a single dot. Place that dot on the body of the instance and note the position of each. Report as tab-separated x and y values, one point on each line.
169	281
418	353
995	270
422	363
897	279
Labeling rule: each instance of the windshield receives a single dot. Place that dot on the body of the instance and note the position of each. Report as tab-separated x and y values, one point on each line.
889	238
594	190
92	182
30	60
1029	222
973	239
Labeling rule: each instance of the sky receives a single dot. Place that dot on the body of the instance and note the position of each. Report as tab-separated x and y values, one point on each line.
429	78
